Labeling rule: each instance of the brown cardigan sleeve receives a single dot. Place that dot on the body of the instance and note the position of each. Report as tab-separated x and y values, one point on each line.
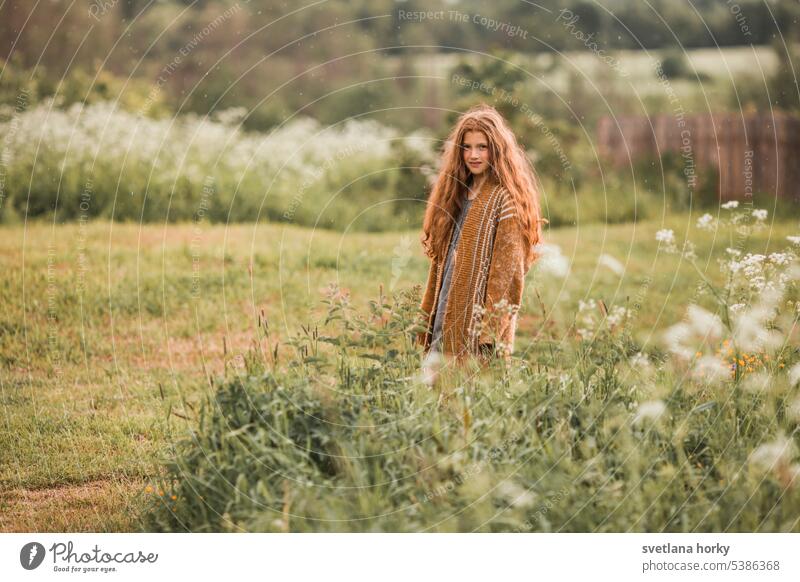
506	279
430	289
427	297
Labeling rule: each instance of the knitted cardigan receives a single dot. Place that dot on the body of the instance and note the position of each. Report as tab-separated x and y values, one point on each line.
489	266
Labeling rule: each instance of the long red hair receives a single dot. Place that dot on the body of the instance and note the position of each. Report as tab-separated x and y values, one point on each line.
507	163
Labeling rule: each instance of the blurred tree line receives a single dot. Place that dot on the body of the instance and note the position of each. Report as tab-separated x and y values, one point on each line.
279	61
328	60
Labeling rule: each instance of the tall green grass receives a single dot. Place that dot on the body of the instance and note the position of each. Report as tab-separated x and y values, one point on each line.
352	435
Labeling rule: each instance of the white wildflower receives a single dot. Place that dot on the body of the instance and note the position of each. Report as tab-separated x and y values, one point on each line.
752	335
516	495
585	321
611	263
420	142
230	116
689	250
666	236
702	327
757	383
730	205
758	273
503	349
794	375
760	214
771	456
617	315
751	327
780	259
795	240
710	368
666	240
642	364
431	365
551	260
591	318
706	222
652	410
676	337
705	323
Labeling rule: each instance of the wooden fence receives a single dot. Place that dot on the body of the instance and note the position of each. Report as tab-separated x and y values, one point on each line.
745	153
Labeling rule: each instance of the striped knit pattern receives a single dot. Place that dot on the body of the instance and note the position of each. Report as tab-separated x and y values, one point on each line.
488	266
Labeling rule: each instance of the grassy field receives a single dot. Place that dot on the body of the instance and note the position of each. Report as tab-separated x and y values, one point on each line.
720	66
110	333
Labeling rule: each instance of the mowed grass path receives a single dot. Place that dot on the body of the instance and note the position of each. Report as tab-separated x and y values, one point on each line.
106	328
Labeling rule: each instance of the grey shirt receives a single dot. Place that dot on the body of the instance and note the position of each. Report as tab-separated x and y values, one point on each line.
447	276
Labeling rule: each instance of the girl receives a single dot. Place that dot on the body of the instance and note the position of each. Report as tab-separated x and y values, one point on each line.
481	224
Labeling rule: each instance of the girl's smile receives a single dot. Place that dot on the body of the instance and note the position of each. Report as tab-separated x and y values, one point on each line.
475	147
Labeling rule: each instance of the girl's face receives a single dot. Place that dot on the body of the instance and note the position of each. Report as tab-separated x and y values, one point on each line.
475	149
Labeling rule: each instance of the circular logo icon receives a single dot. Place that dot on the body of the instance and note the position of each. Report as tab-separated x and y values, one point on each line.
31	555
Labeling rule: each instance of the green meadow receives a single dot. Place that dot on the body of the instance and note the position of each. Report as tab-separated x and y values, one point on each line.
145	368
